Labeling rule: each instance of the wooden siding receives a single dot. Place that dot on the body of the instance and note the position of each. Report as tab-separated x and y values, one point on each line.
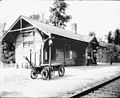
24	45
19	50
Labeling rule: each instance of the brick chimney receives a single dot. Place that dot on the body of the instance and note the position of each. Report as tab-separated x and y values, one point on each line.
74	28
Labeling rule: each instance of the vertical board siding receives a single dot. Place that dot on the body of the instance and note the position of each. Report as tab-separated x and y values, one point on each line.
74	48
21	50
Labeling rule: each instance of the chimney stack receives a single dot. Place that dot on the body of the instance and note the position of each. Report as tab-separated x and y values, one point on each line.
74	28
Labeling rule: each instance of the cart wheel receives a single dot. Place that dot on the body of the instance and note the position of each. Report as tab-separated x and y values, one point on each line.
61	71
44	73
33	74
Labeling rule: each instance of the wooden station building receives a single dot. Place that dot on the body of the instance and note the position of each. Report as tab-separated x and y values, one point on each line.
32	38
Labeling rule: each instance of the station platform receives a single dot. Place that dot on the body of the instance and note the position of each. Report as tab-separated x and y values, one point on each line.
17	82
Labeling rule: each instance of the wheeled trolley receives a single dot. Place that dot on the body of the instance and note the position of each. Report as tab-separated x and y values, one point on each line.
45	70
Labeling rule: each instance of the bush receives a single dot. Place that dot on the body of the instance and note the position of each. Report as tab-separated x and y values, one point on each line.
8	52
110	51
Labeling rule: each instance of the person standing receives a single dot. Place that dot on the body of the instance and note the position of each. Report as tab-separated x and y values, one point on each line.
88	59
94	59
111	60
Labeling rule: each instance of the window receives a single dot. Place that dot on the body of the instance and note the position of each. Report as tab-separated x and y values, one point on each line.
74	54
27	43
71	54
27	39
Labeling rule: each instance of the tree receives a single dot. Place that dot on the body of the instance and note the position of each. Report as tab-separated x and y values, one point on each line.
92	34
39	18
8	52
58	15
112	52
109	37
109	53
35	16
117	37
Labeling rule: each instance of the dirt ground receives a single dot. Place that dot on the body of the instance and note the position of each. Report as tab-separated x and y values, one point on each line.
17	82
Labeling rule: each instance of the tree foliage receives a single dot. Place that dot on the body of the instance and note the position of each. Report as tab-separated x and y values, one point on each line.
8	52
110	51
58	15
117	37
35	16
114	39
92	34
109	37
39	18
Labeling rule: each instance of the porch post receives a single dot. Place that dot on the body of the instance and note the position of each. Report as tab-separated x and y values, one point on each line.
30	55
42	47
64	52
50	43
50	55
34	48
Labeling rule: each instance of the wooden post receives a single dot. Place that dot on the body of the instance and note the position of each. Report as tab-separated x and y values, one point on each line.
42	47
35	58
50	55
50	43
40	58
30	55
64	53
23	42
34	47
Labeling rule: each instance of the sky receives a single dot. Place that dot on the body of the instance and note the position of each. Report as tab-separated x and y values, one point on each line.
91	16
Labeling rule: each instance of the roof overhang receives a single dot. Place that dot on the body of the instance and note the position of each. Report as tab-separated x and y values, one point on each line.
19	26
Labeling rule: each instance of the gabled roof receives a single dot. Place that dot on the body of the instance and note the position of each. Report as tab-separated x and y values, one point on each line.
49	29
57	31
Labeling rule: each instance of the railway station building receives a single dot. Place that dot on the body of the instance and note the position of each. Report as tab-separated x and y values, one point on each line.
33	39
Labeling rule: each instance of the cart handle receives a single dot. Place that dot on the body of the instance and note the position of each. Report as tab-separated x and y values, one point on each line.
28	61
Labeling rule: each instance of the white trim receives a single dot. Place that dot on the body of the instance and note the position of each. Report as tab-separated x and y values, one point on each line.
14	23
21	29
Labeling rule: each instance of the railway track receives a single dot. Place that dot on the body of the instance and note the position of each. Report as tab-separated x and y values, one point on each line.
110	88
